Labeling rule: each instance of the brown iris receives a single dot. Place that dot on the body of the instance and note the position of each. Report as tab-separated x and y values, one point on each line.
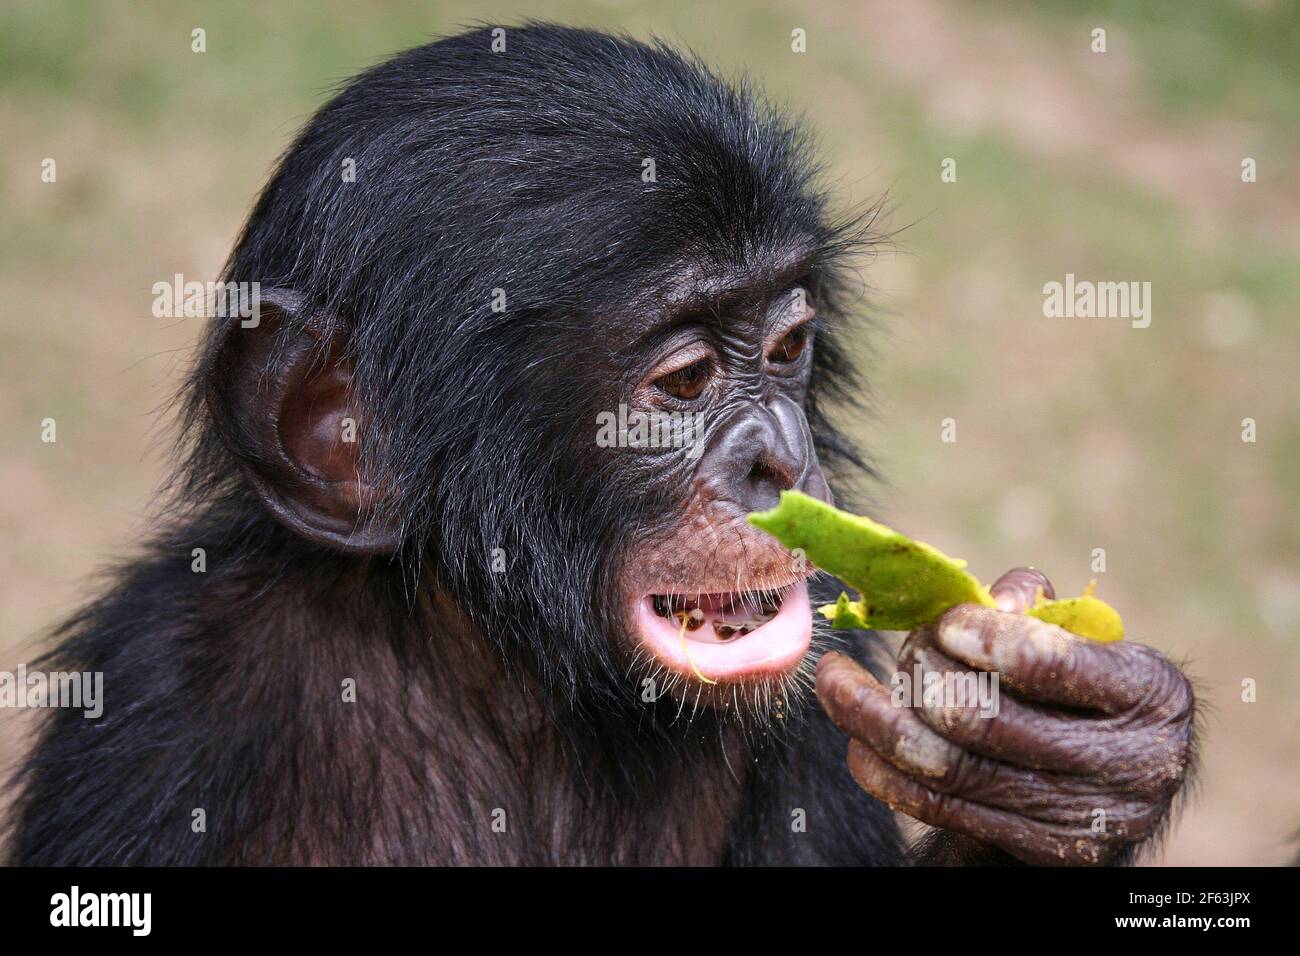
686	383
791	345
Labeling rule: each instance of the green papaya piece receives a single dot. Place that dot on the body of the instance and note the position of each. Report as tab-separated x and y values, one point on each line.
904	584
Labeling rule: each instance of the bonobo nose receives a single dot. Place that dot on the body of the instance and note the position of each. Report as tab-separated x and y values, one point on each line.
764	450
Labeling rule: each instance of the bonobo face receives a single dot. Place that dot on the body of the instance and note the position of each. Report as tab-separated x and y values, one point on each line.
712	600
667	254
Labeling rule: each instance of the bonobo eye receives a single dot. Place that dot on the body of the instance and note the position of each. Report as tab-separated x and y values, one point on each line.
686	383
791	345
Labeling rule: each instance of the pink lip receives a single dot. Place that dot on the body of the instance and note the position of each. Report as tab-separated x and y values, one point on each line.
774	649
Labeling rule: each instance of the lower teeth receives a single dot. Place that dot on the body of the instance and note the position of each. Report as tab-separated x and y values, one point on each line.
726	632
682	610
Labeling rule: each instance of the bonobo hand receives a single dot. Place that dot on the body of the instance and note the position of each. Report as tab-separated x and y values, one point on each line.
1081	727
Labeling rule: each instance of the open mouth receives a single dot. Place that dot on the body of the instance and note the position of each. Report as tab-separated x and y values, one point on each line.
728	636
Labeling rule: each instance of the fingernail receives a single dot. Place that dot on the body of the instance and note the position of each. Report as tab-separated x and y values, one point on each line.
1019	588
1007	602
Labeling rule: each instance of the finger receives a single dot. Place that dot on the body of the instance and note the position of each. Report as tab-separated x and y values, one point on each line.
1136	754
1017	590
1044	662
865	710
1029	840
861	707
1023	734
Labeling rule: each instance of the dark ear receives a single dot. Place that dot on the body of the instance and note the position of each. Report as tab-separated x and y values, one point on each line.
280	391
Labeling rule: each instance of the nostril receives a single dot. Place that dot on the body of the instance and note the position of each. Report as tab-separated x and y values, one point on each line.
764	475
765	483
757	456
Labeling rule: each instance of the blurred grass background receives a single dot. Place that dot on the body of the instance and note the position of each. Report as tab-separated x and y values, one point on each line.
1072	434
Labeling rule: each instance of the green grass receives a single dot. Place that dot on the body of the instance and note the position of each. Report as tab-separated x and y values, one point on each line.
1232	56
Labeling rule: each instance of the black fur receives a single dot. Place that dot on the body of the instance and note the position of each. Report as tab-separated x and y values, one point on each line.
474	171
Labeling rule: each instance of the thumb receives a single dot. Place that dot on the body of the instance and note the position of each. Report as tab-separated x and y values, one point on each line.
1016	590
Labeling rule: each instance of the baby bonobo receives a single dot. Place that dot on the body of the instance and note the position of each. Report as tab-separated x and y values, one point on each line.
438	621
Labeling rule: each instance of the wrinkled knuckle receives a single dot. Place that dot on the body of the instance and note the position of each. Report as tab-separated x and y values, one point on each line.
937	809
1181	698
965	775
962	722
1047	655
1147	821
1169	774
1151	766
1133	820
1170	701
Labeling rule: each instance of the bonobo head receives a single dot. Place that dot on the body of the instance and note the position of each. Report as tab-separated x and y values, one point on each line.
542	324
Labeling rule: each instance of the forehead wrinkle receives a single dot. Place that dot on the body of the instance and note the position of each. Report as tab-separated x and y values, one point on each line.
694	290
717	290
